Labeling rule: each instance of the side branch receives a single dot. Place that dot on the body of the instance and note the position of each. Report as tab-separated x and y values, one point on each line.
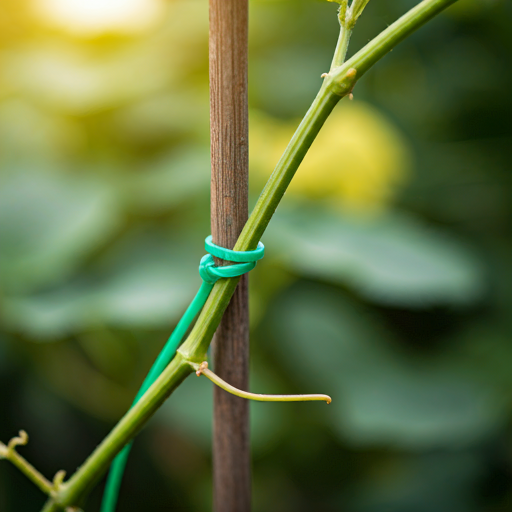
378	47
9	453
202	369
77	487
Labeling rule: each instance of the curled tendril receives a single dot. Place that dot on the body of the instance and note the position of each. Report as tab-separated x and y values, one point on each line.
58	479
21	440
202	369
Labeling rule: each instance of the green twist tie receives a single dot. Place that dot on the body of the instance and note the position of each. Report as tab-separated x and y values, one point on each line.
210	274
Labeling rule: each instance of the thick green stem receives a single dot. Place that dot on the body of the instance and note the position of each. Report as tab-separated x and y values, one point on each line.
338	83
75	489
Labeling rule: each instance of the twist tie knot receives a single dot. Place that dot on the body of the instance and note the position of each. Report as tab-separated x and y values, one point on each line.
246	260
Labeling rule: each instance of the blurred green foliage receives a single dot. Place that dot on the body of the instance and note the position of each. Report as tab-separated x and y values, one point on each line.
399	306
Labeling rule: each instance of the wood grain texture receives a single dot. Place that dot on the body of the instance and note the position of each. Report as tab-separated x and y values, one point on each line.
229	212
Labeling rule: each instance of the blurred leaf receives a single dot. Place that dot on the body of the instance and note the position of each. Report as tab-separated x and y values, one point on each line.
155	119
428	482
484	351
72	377
115	355
6	358
48	316
174	179
28	130
390	259
275	69
472	8
149	280
379	395
49	223
143	282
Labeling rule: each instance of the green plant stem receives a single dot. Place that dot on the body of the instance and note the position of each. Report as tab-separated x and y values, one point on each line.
343	39
10	454
365	58
341	47
347	17
75	489
356	9
337	84
31	472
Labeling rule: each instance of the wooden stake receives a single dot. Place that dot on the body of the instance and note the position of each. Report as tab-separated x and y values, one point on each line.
229	212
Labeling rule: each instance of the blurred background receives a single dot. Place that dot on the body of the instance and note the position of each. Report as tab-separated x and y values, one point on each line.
398	306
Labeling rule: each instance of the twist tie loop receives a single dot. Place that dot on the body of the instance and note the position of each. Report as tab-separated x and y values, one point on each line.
247	260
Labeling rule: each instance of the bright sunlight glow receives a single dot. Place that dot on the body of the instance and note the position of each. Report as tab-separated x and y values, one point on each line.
92	17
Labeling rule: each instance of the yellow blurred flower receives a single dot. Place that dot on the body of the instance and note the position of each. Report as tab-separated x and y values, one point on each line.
93	17
358	160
